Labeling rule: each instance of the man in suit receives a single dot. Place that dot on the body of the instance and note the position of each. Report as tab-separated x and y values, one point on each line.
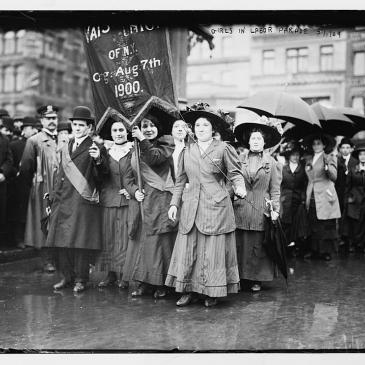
345	162
6	160
18	189
75	221
38	167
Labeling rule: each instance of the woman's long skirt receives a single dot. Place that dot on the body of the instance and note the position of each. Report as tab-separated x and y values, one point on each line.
152	259
114	239
253	262
204	264
323	233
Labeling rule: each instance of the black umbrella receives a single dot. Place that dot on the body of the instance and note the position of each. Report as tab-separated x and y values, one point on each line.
275	244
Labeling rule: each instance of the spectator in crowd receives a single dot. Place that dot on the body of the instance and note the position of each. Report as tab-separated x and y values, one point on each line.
38	168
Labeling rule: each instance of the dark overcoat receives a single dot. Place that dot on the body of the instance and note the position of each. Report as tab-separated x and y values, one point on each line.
341	181
355	193
76	222
292	194
6	168
158	156
38	169
20	188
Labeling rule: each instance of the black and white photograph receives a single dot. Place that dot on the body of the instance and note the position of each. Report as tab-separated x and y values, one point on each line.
182	181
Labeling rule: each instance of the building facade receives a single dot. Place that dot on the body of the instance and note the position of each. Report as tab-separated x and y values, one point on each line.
42	68
311	64
355	90
220	76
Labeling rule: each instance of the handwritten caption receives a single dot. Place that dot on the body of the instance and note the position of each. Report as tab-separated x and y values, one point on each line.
259	30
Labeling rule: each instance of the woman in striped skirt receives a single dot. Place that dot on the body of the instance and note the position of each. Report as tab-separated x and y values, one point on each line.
262	176
204	259
114	202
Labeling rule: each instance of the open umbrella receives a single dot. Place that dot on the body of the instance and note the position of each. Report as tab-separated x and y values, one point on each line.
281	105
299	132
354	115
334	122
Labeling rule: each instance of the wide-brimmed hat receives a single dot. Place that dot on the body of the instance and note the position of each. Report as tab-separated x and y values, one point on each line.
4	113
291	147
8	123
29	122
271	133
360	146
48	111
327	139
82	113
203	110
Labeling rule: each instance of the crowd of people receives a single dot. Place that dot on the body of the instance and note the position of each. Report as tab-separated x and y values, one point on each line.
184	208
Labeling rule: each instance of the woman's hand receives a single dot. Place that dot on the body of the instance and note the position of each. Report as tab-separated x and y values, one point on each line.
136	133
139	196
94	151
172	213
240	191
125	193
274	215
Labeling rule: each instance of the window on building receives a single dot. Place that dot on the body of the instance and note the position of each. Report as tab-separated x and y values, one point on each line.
19	78
60	47
227	77
358	103
8	79
205	76
268	62
227	48
49	50
9	43
59	83
76	87
85	90
324	100
359	63
49	82
1	79
297	60
19	41
326	58
41	79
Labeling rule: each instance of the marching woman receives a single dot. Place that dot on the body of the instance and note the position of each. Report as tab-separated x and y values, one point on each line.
292	197
321	198
354	211
204	260
262	176
151	248
114	205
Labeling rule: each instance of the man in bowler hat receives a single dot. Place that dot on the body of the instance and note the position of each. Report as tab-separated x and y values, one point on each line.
75	227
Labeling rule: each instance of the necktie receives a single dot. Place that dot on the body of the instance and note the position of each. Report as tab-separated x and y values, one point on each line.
76	144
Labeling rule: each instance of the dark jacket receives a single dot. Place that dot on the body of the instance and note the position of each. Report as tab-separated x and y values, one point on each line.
158	156
76	222
6	168
293	187
355	192
342	172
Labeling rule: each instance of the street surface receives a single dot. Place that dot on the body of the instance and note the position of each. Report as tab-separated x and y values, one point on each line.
323	308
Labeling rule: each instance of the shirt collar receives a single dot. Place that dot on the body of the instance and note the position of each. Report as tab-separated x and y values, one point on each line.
80	140
47	131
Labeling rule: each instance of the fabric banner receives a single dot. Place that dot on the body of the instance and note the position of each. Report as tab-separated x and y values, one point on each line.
127	66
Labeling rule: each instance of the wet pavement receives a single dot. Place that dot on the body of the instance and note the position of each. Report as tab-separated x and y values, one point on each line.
322	308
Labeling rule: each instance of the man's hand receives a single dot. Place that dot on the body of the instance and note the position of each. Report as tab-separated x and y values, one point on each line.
139	196
136	133
172	213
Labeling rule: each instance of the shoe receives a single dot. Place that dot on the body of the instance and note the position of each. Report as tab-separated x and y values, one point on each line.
139	291
108	281
62	284
187	299
326	257
49	268
256	288
308	255
210	302
79	287
160	293
21	246
122	284
351	249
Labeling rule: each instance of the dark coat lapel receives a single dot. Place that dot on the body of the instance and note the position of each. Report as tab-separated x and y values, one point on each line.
85	145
